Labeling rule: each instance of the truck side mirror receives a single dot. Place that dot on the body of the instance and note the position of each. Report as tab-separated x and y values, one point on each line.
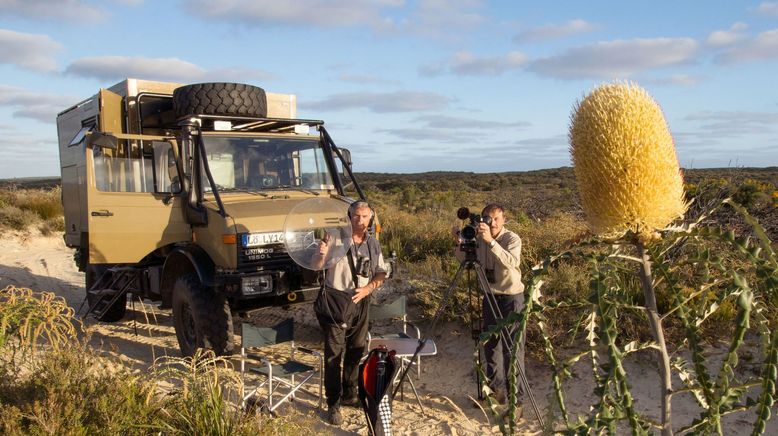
346	156
103	140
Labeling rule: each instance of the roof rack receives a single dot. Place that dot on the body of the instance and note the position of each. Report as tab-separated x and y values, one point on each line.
253	124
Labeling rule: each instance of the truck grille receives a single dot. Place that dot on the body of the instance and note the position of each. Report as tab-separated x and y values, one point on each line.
265	255
272	259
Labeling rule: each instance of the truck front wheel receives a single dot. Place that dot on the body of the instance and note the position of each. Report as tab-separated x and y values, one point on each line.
202	318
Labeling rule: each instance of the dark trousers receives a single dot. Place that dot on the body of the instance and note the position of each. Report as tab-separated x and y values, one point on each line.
346	345
496	352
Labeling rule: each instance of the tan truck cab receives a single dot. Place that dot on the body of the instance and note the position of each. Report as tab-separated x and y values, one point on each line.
179	193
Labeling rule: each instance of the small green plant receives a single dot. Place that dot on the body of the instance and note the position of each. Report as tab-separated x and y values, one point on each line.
27	317
205	395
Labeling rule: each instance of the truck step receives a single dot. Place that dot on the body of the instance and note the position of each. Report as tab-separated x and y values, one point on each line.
107	290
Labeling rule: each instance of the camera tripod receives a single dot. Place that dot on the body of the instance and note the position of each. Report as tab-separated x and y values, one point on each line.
470	262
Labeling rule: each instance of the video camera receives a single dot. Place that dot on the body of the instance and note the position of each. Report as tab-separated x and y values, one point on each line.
470	231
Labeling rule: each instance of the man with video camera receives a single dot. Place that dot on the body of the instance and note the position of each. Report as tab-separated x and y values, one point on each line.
498	250
342	308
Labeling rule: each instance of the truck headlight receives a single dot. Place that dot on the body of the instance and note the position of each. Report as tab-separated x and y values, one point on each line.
261	284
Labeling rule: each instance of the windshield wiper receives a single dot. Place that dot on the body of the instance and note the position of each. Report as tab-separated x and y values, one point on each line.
249	191
292	188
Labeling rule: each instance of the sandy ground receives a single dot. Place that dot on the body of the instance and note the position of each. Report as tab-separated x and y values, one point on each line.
447	383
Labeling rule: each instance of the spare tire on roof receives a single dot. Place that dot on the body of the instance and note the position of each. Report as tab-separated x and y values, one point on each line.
233	99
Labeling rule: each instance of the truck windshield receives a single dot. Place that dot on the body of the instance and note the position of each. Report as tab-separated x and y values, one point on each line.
257	164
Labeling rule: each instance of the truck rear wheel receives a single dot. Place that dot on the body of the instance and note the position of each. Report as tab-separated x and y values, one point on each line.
202	319
114	313
220	99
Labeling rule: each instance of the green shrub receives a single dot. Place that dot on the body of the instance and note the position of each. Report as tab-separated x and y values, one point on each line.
74	391
46	204
28	319
69	389
20	208
15	218
52	225
200	403
544	237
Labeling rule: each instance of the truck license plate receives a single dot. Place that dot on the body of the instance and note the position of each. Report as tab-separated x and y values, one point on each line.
255	239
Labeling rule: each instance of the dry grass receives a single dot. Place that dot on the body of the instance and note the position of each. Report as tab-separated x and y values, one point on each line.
21	208
69	389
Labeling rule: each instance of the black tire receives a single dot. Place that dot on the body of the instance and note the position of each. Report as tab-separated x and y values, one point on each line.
202	319
114	313
220	99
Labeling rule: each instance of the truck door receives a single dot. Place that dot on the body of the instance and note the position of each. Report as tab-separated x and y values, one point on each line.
132	193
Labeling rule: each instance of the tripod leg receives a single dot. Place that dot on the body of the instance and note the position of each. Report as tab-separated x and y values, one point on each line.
505	336
479	381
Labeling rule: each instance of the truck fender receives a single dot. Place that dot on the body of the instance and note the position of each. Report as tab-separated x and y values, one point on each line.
189	259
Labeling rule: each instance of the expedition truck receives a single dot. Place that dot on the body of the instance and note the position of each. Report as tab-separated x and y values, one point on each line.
179	194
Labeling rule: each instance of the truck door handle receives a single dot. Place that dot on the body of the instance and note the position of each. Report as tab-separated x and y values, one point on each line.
102	213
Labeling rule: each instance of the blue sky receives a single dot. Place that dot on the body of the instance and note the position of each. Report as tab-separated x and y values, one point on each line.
409	86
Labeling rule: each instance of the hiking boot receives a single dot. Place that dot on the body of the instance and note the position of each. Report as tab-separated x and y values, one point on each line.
333	415
517	414
350	400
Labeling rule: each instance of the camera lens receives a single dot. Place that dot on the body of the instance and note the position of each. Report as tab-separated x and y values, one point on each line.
363	267
469	232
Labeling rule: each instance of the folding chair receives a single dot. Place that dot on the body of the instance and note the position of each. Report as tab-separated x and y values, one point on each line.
276	374
396	310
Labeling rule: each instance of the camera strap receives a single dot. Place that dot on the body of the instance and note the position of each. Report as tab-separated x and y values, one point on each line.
352	267
363	307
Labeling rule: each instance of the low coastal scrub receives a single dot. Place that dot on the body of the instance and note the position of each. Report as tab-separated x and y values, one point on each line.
23	208
51	382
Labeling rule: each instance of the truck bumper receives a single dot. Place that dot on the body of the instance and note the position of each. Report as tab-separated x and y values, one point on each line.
247	291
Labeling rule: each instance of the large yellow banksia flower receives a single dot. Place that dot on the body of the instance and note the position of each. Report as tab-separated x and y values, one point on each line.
624	161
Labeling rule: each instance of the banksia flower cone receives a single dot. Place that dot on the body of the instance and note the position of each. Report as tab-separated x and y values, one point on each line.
624	161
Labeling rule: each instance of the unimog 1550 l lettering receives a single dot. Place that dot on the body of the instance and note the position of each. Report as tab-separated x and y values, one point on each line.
178	193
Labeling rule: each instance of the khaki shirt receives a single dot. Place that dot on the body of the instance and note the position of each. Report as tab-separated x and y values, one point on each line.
339	276
504	258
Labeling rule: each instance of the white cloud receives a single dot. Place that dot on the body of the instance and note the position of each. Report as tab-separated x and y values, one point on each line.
467	64
28	50
37	106
727	37
333	13
554	31
554	144
399	101
435	135
763	46
768	8
425	17
719	124
443	18
110	68
76	11
365	79
237	74
24	156
118	67
456	123
452	130
677	80
617	59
